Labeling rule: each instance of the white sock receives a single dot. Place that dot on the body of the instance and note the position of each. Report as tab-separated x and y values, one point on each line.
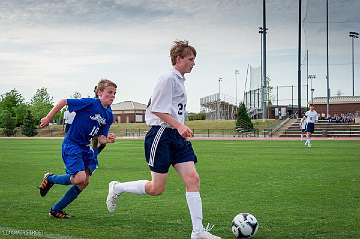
193	200
136	187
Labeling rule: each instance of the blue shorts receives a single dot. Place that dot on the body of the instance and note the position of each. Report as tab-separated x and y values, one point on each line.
77	158
310	127
165	147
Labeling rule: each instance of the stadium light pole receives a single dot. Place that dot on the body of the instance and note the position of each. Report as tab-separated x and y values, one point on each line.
311	77
264	86
312	95
299	62
218	106
307	79
327	61
236	87
353	35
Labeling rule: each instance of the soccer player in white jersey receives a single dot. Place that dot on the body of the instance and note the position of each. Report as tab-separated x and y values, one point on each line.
167	142
311	118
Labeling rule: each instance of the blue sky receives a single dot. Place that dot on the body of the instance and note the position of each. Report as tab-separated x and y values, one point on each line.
68	46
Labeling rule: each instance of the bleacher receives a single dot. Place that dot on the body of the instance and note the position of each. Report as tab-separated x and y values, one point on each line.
323	128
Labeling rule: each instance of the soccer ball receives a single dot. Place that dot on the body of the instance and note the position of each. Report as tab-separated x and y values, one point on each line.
244	225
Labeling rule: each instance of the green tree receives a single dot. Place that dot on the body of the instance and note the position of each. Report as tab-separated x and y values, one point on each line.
10	100
243	119
20	112
28	128
41	103
8	123
196	116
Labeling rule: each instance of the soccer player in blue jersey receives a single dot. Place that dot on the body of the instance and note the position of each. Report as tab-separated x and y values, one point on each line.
93	118
167	144
311	117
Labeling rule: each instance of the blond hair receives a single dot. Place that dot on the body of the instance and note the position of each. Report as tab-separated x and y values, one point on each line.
103	83
182	49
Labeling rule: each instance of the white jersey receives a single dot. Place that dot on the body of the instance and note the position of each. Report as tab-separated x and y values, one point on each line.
311	116
169	97
69	117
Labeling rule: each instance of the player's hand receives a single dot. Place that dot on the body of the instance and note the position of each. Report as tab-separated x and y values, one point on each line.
44	122
185	131
111	138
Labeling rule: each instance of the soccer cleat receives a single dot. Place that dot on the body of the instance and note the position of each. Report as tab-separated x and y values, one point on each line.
112	197
45	185
59	214
205	234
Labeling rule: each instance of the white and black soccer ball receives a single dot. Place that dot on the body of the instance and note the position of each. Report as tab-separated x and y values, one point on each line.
244	225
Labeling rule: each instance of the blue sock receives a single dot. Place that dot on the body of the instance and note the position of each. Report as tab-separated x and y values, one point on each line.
60	179
69	196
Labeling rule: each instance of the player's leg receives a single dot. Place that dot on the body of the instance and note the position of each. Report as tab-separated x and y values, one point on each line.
71	155
191	180
184	163
80	181
307	128
157	154
140	187
308	136
309	133
79	164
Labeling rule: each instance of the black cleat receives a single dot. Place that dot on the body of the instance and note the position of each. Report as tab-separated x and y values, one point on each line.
45	185
59	214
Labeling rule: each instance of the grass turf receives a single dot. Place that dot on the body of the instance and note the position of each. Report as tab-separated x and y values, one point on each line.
294	192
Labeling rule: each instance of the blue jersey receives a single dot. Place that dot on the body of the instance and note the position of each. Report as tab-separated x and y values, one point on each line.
91	119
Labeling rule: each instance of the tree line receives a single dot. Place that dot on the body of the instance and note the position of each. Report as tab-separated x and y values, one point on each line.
16	112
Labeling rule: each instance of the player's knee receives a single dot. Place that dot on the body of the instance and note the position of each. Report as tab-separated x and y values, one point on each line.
155	191
82	186
193	180
79	179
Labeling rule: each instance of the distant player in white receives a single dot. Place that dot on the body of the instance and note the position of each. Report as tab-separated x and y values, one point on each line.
302	127
311	118
166	142
68	119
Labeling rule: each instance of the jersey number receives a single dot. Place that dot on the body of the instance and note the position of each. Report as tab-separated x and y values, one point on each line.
181	108
94	131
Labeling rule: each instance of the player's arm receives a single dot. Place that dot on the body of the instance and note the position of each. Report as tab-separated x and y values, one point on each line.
183	130
47	119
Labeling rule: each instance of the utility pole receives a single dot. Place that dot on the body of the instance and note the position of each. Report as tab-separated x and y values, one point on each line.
265	86
236	86
353	35
327	60
307	79
299	63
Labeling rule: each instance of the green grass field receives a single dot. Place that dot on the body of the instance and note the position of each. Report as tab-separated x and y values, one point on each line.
294	192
